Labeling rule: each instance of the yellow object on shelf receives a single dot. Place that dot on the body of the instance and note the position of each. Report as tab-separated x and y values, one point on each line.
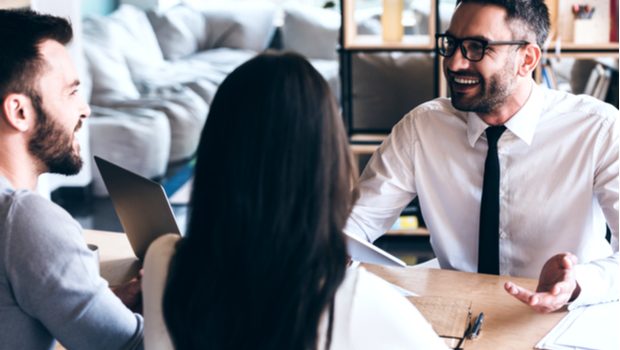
406	222
391	20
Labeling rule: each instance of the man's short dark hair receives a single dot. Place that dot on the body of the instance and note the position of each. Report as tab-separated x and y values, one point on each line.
21	31
533	13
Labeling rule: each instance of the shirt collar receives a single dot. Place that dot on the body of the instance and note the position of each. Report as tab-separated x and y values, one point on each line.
522	124
5	183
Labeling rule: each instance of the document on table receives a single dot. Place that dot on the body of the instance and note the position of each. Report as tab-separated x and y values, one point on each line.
593	327
449	317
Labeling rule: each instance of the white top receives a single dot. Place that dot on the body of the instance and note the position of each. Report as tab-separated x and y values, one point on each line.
559	184
368	313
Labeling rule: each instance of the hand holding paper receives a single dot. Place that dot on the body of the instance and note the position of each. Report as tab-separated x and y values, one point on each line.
556	285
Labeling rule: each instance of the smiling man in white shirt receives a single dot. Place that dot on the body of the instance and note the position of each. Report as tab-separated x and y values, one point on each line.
555	165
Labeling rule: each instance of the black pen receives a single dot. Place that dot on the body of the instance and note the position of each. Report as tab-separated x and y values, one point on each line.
475	331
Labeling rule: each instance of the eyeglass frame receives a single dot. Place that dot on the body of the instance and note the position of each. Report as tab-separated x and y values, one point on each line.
485	45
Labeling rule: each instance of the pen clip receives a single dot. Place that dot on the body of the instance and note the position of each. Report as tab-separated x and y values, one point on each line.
475	329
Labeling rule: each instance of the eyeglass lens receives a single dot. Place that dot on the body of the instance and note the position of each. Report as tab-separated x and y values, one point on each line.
472	49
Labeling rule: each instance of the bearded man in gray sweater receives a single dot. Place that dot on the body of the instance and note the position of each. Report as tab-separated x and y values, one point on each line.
49	282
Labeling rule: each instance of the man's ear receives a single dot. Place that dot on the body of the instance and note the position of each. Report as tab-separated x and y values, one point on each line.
529	60
18	112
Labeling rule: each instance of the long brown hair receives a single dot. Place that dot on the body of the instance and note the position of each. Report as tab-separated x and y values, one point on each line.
264	252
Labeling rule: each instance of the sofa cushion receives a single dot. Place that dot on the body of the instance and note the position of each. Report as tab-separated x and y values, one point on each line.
135	138
202	72
186	113
180	31
248	25
111	78
311	31
139	44
222	60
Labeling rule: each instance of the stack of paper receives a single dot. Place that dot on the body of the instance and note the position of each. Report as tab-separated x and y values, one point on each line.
593	328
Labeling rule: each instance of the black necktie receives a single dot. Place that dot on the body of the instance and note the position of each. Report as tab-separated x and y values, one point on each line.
488	240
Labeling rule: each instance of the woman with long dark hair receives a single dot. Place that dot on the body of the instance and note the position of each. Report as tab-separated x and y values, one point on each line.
263	264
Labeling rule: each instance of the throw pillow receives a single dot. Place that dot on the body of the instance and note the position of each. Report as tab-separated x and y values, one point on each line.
139	43
180	31
111	79
311	31
248	25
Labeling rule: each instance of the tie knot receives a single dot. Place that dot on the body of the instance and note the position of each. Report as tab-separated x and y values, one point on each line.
494	133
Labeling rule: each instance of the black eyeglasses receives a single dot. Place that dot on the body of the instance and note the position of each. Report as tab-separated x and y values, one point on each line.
472	49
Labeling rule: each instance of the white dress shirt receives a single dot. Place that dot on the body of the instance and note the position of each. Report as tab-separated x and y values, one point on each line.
558	186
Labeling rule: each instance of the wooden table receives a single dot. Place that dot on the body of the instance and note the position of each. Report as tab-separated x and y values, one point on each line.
509	324
117	262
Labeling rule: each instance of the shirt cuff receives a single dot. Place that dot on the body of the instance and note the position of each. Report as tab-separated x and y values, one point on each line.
594	287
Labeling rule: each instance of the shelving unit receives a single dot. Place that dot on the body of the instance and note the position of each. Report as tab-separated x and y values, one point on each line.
562	33
579	51
351	43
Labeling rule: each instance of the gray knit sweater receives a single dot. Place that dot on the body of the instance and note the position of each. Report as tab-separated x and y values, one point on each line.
49	282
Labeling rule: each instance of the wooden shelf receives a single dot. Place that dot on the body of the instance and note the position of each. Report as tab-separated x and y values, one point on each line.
378	138
369	143
409	42
582	51
352	41
581	54
585	47
359	150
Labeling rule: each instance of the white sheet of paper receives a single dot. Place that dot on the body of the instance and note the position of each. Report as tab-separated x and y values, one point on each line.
595	328
586	328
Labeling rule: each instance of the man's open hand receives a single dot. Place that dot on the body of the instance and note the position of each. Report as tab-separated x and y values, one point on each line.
556	286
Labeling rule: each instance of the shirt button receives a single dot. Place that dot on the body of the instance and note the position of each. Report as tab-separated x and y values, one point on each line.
503	234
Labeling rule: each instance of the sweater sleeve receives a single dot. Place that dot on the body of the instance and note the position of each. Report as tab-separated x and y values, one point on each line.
55	279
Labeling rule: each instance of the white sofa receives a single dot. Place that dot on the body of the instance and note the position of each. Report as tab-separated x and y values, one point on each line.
147	68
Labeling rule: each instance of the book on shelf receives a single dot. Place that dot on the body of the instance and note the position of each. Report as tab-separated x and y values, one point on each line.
599	82
603	85
406	222
410	218
548	74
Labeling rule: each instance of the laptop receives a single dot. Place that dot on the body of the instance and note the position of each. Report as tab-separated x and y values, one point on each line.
366	252
140	204
145	214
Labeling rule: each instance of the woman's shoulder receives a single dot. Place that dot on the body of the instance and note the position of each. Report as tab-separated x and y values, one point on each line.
369	289
158	256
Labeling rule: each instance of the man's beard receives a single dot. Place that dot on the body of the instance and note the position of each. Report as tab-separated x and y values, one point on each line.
52	145
490	96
